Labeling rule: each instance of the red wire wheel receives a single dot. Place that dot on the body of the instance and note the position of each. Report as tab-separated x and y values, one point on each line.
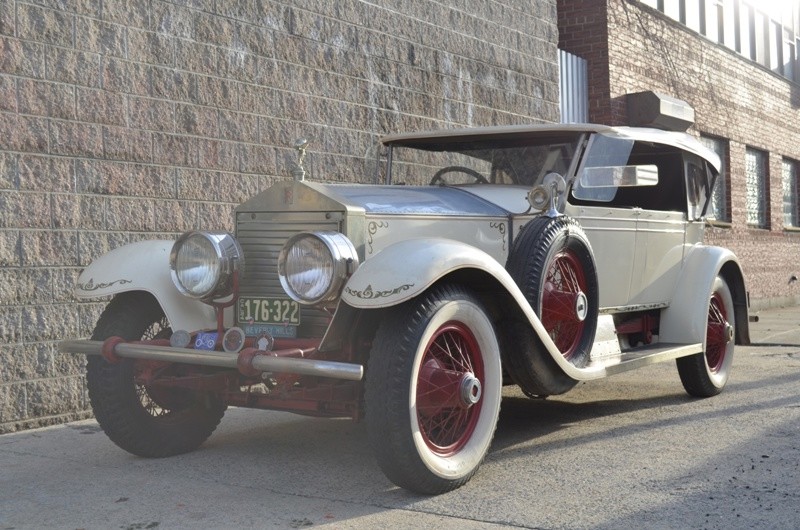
433	390
145	420
564	305
449	389
705	374
716	339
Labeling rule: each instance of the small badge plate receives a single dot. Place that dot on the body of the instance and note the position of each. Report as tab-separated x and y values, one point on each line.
206	340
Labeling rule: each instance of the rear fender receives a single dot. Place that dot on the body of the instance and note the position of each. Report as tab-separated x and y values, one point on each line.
144	266
686	318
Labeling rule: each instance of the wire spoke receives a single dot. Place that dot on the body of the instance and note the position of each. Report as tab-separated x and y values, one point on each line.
445	420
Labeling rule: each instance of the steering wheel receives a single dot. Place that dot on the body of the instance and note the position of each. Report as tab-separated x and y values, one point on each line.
438	178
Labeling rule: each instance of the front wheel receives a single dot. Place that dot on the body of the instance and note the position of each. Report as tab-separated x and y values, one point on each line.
705	374
433	391
143	419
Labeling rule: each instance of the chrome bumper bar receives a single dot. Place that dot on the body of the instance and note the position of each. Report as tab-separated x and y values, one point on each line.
258	361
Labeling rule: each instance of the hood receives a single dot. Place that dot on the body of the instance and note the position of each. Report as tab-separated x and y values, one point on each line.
423	200
479	200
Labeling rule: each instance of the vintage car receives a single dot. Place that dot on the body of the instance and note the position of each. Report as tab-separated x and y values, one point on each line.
538	256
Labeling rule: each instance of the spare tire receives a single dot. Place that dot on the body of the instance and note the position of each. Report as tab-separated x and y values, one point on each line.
551	261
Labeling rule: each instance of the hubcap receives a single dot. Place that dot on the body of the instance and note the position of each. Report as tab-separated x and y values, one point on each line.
470	389
728	332
581	306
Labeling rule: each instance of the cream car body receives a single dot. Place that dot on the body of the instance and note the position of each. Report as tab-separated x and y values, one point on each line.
534	255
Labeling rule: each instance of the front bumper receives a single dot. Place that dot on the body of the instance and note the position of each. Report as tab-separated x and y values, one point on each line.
249	361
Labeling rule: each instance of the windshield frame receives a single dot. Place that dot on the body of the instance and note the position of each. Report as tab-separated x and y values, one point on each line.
577	139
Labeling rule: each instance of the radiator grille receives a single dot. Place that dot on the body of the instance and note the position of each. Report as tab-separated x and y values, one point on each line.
262	236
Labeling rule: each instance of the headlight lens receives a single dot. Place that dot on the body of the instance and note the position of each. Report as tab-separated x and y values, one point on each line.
313	266
203	264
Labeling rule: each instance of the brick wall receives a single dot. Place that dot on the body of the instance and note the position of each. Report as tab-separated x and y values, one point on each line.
125	120
583	31
733	98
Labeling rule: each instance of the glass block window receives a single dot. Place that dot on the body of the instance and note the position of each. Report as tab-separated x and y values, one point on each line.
719	209
756	188
790	206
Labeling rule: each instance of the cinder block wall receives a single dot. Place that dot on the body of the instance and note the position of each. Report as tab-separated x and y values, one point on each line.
733	98
125	120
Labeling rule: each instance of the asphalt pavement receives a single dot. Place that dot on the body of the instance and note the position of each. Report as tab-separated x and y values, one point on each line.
631	451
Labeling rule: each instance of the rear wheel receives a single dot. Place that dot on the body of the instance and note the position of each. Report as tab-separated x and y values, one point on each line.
145	420
705	374
433	391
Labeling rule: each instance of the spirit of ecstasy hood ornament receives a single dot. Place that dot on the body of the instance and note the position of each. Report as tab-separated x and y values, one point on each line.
299	172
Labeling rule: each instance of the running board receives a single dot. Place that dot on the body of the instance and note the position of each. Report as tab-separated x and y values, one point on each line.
639	357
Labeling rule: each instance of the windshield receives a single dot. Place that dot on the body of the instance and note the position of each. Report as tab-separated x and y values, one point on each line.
521	161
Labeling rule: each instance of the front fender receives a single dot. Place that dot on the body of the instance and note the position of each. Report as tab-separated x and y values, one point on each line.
685	320
406	269
144	266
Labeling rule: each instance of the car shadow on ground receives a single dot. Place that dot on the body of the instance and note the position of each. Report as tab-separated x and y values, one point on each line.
332	458
774	345
524	420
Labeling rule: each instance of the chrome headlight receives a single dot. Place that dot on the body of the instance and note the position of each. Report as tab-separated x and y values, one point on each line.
313	266
203	264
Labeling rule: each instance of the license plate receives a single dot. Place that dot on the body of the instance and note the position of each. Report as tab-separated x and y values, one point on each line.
275	311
